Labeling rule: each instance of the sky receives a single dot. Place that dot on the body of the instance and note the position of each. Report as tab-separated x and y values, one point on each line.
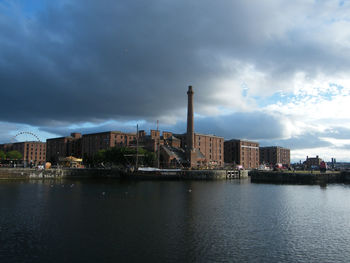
275	71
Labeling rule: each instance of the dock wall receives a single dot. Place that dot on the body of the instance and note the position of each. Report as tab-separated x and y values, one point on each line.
193	175
27	173
299	177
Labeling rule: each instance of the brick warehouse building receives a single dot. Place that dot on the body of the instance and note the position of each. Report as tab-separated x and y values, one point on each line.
312	162
33	153
240	152
274	154
211	146
92	143
63	147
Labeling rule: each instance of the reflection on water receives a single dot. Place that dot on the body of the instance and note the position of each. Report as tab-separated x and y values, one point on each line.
176	221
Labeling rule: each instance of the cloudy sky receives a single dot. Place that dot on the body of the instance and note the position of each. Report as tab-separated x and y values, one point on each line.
273	71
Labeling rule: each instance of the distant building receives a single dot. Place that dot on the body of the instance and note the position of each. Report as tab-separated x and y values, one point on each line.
63	147
92	143
240	152
274	154
33	153
312	162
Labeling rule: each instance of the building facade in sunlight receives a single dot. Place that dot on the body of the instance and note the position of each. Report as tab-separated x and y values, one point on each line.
241	152
33	153
208	148
274	154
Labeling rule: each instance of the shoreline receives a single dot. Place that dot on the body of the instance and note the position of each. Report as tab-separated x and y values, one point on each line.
300	177
274	177
63	173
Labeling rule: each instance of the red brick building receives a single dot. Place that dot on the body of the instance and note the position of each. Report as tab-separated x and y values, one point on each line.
240	152
33	153
274	154
92	143
63	147
312	162
150	142
210	146
167	145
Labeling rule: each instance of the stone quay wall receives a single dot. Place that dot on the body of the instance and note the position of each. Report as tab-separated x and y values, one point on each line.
299	177
192	175
27	173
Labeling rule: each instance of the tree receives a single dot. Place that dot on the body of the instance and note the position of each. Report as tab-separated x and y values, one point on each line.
2	155
124	156
14	155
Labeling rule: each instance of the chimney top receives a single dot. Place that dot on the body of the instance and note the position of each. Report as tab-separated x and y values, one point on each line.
190	90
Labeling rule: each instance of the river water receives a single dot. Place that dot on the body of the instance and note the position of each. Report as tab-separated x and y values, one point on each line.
173	221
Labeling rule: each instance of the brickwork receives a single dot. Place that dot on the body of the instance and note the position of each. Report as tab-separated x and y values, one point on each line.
63	147
312	161
240	152
211	146
274	154
92	143
32	152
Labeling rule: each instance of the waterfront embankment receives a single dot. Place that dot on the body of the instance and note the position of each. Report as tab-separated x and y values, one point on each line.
300	177
27	173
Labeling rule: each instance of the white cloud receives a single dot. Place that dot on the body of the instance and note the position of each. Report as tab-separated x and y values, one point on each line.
326	153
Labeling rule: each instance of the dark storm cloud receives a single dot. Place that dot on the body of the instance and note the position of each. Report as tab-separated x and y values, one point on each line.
239	125
88	60
115	126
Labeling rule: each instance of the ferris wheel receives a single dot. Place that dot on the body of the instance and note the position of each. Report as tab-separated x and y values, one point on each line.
25	136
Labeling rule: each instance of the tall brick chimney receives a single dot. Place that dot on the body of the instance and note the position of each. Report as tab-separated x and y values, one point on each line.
190	151
190	124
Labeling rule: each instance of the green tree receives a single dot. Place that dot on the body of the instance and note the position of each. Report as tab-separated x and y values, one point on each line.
100	156
2	155
14	155
125	156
